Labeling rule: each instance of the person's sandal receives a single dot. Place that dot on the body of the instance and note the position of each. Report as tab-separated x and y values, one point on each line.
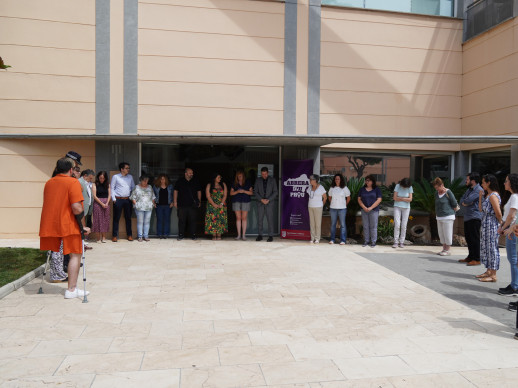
488	279
482	275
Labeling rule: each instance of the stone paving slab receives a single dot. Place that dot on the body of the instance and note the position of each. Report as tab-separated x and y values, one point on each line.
246	314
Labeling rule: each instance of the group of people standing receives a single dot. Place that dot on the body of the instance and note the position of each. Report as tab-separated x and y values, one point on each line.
484	223
185	195
369	200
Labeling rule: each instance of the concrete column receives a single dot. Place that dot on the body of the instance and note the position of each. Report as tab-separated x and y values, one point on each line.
514	159
290	66
102	67
461	164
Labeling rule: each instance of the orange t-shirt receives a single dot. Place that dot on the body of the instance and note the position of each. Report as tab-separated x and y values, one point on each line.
57	218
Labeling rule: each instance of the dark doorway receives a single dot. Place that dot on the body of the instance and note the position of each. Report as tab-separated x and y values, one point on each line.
205	160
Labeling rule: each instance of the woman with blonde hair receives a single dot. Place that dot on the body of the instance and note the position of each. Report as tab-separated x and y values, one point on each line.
240	192
445	207
164	200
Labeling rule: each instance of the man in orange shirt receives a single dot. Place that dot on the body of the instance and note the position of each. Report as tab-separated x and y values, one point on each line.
61	220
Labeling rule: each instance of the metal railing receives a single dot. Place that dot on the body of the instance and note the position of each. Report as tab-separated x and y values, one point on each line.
483	15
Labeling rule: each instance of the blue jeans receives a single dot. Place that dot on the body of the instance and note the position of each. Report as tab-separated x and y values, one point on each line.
163	220
338	214
143	220
510	247
370	226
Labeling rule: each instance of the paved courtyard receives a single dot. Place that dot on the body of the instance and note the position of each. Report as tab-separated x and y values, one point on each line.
247	314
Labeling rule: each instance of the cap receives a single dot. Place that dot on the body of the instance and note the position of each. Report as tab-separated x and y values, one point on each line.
75	156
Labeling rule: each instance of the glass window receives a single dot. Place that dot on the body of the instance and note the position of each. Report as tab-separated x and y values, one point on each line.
497	163
426	7
387	169
436	166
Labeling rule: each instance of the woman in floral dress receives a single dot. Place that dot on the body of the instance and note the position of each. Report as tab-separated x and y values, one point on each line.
491	220
216	217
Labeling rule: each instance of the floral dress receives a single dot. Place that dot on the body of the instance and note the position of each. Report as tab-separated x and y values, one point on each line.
216	218
489	254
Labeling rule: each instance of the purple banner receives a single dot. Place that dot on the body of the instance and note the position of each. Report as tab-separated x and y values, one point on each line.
295	215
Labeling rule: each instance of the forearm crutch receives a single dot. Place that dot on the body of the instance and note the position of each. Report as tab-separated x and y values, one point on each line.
83	259
47	266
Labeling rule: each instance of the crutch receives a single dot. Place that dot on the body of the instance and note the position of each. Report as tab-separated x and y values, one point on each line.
45	269
85	300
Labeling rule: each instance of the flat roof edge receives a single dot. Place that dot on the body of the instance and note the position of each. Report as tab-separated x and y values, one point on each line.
277	139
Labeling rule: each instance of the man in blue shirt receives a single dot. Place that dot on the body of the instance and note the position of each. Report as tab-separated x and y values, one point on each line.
121	187
472	218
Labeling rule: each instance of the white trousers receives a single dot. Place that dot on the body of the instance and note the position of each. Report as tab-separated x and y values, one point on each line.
445	229
400	222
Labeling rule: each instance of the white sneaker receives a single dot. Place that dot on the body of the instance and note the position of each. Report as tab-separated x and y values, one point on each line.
394	246
342	243
440	253
331	242
311	241
316	241
445	253
77	293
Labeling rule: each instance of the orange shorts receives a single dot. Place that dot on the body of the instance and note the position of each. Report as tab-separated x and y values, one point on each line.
71	244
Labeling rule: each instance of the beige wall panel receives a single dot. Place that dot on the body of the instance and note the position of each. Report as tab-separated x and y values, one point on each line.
496	44
72	11
275	6
211	71
336	78
211	20
24	222
500	96
26	166
500	122
391	58
373	16
186	44
382	34
49	60
210	95
47	87
53	148
502	70
12	195
208	120
46	34
45	114
341	124
389	104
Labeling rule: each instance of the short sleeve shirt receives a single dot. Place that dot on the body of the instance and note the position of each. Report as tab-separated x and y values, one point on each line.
512	203
187	191
403	192
57	218
339	197
315	197
241	197
369	197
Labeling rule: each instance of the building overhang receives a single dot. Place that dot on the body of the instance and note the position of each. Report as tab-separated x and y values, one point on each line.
269	140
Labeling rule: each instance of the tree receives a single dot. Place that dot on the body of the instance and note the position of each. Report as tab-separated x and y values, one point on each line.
359	163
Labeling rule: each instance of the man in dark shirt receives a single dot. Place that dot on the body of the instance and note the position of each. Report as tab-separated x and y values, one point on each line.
187	199
472	218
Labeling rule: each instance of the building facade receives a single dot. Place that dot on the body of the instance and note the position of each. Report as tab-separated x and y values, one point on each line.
221	84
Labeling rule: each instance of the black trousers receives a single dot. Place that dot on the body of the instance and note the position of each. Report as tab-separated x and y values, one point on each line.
187	217
119	206
472	233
